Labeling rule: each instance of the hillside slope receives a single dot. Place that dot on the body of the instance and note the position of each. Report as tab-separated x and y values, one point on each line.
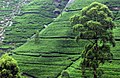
33	16
57	50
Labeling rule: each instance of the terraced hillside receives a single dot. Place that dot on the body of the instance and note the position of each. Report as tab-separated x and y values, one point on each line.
3	8
7	7
8	10
57	50
32	17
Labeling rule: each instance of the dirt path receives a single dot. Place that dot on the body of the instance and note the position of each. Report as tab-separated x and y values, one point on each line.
70	2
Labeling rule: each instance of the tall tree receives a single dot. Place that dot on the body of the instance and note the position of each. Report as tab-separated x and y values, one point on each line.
95	24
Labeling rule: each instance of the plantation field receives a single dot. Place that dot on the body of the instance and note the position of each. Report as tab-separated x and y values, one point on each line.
32	18
57	49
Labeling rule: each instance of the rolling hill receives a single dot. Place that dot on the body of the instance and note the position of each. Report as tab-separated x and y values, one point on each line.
57	50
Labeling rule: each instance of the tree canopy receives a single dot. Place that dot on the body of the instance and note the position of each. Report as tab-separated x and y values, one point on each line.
95	24
8	67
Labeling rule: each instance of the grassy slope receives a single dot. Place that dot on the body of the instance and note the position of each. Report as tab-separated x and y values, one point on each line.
26	25
33	17
53	54
56	50
6	12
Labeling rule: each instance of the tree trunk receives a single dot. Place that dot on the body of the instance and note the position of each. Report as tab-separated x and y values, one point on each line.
95	73
83	74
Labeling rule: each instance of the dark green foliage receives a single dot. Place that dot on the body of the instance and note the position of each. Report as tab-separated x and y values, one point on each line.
95	24
74	20
8	67
99	73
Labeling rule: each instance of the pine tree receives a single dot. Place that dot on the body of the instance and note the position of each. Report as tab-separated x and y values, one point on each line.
95	24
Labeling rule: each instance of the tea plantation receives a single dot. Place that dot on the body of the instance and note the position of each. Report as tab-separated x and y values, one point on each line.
56	50
33	17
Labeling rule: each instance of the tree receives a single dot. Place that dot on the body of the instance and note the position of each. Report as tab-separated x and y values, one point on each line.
95	24
36	37
8	67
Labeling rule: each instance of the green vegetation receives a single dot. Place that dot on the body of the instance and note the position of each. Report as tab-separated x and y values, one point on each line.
32	18
95	24
57	50
8	67
6	9
65	74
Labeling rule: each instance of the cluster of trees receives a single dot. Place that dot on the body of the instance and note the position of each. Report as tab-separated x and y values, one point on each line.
95	24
